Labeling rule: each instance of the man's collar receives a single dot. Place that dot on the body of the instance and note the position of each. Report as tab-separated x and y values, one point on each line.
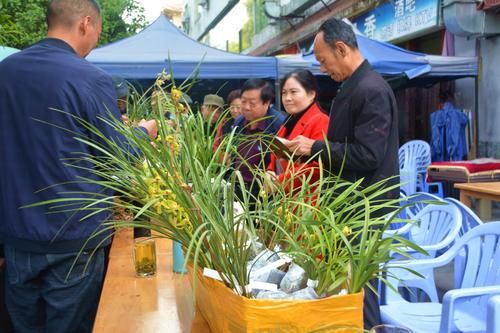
352	81
57	43
262	124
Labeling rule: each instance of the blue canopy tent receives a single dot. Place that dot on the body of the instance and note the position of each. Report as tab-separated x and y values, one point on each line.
390	60
162	45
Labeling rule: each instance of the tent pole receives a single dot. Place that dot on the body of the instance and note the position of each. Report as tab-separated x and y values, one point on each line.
475	133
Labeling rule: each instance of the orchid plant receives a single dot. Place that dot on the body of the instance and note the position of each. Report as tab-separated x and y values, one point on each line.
183	188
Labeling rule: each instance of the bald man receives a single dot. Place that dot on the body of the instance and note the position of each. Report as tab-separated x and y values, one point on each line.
49	287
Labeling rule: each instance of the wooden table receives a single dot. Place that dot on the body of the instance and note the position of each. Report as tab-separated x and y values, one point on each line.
483	191
162	303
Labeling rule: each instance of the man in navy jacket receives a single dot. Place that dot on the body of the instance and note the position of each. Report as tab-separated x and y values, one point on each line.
42	245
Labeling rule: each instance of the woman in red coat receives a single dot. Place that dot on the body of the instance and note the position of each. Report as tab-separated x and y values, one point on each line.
298	95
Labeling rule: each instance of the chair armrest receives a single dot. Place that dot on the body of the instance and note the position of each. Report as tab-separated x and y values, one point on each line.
417	264
401	231
451	298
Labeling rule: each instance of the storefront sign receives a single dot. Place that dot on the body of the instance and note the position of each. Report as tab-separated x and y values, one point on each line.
398	18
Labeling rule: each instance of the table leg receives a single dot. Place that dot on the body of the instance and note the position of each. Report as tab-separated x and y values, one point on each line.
465	198
484	209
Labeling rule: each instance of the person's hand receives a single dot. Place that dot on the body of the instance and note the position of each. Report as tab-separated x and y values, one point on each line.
125	119
150	126
300	145
269	180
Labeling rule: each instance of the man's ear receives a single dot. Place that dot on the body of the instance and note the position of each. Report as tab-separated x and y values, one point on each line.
341	48
85	23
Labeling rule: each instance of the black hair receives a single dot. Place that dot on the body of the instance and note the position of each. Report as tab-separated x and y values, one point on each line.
305	78
335	30
266	90
65	12
234	94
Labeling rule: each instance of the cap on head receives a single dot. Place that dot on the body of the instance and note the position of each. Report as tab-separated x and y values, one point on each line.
214	100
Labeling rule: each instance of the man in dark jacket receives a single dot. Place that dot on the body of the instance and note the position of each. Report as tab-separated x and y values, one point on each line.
363	128
42	244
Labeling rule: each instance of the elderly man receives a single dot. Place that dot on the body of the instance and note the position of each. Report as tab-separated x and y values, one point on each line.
50	286
258	118
363	129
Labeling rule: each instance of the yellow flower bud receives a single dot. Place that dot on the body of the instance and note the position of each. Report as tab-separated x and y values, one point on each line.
176	95
346	230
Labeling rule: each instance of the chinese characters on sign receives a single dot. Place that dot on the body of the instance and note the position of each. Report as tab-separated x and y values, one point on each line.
370	25
398	18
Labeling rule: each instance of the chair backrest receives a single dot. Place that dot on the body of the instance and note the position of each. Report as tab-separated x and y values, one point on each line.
418	150
402	215
418	201
415	203
414	157
408	177
437	224
469	218
482	260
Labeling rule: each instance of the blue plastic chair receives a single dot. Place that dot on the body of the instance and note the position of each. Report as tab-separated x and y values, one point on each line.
493	315
435	229
414	204
469	220
418	201
463	309
414	158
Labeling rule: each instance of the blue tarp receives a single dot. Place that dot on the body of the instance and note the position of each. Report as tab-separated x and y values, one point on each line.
388	60
147	53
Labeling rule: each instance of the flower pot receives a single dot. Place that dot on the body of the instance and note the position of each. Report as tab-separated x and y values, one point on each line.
225	311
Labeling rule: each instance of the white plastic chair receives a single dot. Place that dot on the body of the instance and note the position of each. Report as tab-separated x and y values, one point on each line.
469	220
414	158
470	307
436	227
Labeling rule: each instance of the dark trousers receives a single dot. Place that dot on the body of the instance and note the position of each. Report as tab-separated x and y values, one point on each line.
5	326
52	292
371	308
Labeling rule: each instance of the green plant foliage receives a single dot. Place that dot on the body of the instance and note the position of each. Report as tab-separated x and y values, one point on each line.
23	22
121	18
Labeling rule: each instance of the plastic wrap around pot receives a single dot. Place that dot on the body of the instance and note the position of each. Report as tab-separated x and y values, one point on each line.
265	294
295	279
275	276
263	258
306	293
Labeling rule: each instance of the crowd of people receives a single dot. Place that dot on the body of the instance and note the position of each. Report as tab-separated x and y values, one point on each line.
358	135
